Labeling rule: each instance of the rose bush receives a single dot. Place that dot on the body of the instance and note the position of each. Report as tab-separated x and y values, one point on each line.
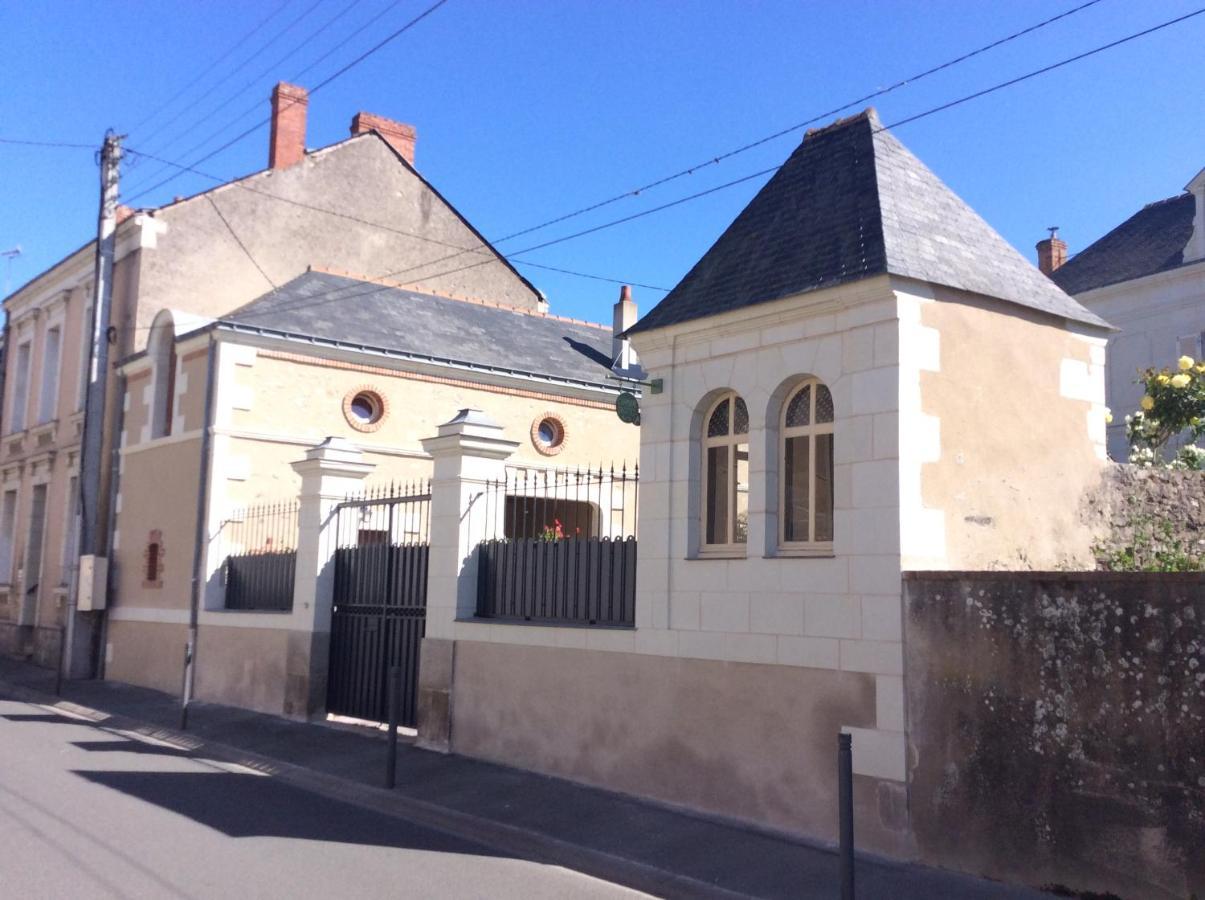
1173	405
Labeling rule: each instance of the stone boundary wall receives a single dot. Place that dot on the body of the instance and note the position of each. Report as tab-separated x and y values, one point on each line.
1057	727
1128	500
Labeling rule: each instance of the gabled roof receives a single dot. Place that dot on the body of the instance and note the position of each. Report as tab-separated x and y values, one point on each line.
1152	240
466	333
851	202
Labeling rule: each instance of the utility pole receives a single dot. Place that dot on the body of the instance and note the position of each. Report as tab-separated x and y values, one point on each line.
88	593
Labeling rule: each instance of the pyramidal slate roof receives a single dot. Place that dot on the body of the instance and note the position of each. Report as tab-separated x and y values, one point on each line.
1152	240
852	202
367	315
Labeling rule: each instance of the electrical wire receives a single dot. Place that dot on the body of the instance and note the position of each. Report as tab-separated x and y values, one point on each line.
293	79
253	82
19	142
239	241
330	78
213	65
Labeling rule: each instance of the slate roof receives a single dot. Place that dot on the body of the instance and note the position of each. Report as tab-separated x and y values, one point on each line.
851	202
1152	240
367	315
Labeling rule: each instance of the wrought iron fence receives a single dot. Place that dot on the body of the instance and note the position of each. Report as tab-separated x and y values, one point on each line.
568	551
261	555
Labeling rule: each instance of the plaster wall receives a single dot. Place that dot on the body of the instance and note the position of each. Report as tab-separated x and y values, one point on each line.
744	741
1004	437
146	653
199	266
1152	313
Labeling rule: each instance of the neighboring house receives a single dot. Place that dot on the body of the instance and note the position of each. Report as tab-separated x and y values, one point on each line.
358	204
323	356
858	379
1147	277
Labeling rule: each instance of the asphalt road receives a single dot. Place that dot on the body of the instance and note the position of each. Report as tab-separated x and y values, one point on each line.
88	811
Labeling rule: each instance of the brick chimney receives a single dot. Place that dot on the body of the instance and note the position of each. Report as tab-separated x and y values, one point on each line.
287	144
1052	252
401	137
622	357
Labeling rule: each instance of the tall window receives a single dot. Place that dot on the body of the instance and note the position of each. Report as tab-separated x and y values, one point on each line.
48	401
807	468
20	388
726	474
69	560
8	526
162	349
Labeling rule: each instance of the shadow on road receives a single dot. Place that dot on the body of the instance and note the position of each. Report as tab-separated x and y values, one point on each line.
47	719
259	806
131	746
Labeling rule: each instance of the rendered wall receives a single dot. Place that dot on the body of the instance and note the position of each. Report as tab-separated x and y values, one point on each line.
1009	436
1057	724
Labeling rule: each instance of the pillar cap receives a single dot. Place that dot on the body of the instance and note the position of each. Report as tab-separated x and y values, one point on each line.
470	433
334	456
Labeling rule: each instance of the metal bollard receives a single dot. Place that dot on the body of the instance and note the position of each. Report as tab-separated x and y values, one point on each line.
845	806
395	702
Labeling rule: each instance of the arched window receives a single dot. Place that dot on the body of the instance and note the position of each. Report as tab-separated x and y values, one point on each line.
807	468
161	347
726	474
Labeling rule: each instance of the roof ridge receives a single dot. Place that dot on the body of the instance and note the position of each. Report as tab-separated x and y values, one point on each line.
369	279
1179	196
870	114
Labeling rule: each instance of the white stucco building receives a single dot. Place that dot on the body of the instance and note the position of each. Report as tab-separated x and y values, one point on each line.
1147	278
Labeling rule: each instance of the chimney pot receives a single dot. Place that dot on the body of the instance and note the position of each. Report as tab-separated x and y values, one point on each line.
400	136
1052	252
287	143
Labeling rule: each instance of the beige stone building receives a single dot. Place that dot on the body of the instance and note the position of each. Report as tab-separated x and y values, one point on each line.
359	204
859	379
216	412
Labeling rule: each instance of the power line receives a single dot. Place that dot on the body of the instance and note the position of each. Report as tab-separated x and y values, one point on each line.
234	71
253	82
178	94
794	128
19	142
913	118
295	78
239	240
824	116
338	73
383	226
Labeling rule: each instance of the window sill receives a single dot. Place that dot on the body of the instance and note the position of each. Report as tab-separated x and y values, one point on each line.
721	553
804	553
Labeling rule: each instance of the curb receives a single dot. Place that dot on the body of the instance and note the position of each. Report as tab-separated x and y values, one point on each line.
512	840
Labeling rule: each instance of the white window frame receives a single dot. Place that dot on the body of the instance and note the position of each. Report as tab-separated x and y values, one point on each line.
731	441
811	431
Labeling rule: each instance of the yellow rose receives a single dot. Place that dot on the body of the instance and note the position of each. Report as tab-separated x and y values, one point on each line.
1108	417
1148	403
1163	378
1186	363
1181	380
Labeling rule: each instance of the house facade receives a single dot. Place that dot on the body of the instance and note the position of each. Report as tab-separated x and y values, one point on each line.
358	204
1147	277
846	387
217	412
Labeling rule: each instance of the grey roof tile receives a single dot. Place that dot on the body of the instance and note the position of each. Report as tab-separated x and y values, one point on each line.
361	313
1152	240
852	202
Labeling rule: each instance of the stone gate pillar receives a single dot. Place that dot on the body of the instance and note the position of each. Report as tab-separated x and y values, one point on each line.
330	471
469	453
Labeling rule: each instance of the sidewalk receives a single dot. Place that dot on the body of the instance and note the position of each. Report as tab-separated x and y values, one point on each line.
641	845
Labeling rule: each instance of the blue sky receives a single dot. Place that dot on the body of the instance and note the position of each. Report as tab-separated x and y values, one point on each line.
528	110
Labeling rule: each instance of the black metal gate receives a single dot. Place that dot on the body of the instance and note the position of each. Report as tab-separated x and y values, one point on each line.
380	602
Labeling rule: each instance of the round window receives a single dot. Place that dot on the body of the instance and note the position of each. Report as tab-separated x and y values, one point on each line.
364	409
548	434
